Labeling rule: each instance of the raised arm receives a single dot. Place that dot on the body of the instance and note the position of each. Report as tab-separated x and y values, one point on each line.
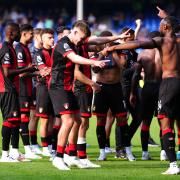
162	13
103	40
138	27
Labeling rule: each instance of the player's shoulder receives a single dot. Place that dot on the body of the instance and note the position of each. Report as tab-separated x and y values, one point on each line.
19	47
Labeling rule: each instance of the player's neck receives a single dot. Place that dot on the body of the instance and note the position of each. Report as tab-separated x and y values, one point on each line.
10	41
46	46
37	45
23	41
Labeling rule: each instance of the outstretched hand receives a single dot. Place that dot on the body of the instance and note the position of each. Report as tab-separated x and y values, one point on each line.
162	13
126	34
45	71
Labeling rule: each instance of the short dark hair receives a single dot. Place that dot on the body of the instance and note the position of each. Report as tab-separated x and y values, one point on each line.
60	29
154	34
83	26
25	27
124	29
105	33
173	22
47	31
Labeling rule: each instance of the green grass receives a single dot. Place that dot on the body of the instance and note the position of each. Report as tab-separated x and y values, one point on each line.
111	169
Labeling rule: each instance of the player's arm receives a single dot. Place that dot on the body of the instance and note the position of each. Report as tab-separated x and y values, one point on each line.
134	83
103	40
162	13
78	75
138	27
7	63
147	44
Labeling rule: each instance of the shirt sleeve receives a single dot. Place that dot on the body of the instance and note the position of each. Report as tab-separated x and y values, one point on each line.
20	57
39	60
7	59
64	48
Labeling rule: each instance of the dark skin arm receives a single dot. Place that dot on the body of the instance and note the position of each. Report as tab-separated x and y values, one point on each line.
14	72
134	83
147	44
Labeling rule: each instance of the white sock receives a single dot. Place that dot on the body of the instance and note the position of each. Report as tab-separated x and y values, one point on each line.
45	149
174	164
128	149
102	151
81	140
4	154
27	149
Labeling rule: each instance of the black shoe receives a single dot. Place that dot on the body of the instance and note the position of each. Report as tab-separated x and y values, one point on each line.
120	154
152	143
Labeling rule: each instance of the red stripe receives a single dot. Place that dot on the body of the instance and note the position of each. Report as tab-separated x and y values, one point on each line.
122	123
7	65
10	125
161	116
21	64
144	127
44	144
67	149
56	127
69	112
60	149
24	109
86	114
72	147
82	154
178	141
41	66
101	123
42	115
166	131
123	114
25	119
100	114
14	119
65	54
32	133
178	132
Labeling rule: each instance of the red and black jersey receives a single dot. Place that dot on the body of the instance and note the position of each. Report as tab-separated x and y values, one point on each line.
43	59
8	59
62	75
24	59
85	69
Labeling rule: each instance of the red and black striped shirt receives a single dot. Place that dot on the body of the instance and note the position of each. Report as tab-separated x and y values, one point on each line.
8	59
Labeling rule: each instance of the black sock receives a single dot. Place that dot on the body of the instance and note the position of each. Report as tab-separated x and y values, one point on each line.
108	142
6	136
169	145
44	141
54	137
161	139
118	138
124	130
24	132
49	138
81	150
144	140
33	137
101	136
144	137
15	137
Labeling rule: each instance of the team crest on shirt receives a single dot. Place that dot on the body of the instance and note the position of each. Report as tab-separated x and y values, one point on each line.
34	103
89	109
20	56
159	105
26	104
66	47
39	59
15	113
66	105
6	57
40	110
94	108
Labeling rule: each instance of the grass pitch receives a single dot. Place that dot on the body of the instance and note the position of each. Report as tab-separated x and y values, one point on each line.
111	169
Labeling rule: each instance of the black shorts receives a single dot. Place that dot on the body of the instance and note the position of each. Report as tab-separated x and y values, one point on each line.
149	100
169	99
9	104
85	100
25	104
44	107
110	96
64	102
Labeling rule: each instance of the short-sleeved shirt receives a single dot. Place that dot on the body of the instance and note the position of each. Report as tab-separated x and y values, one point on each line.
42	59
62	75
8	60
24	59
